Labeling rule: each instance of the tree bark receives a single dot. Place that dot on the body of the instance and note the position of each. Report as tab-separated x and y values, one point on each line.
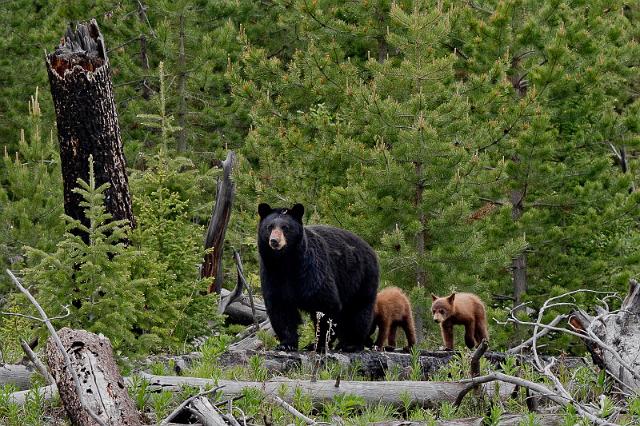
214	239
103	386
80	80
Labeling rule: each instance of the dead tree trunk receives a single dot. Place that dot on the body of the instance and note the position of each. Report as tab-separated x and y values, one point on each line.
613	338
182	91
214	239
103	386
87	121
519	264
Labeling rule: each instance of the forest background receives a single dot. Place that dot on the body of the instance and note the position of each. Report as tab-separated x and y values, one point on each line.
484	146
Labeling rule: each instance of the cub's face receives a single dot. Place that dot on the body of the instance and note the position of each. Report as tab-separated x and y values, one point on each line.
279	228
442	307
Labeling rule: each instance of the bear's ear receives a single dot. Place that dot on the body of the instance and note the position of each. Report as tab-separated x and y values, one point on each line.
434	297
264	210
451	298
297	211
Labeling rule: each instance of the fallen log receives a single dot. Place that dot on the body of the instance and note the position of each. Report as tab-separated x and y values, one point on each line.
421	393
505	420
371	364
17	375
613	338
239	311
103	388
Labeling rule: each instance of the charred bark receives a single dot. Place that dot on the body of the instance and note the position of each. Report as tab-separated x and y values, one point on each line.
87	121
103	387
214	239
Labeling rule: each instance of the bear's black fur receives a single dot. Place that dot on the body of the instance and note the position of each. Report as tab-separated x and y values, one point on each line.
315	269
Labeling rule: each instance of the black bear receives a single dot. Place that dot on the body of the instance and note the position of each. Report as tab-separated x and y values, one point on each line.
315	269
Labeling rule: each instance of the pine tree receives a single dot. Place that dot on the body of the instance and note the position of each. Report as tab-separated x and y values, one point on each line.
30	192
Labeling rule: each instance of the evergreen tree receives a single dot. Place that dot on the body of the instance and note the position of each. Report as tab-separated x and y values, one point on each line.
30	193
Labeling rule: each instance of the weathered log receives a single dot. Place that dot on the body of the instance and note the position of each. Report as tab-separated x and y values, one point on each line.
505	420
613	339
87	122
206	413
239	311
17	375
371	364
252	342
102	385
185	405
421	393
214	238
45	393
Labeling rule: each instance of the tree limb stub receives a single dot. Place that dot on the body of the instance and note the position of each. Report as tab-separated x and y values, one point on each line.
214	238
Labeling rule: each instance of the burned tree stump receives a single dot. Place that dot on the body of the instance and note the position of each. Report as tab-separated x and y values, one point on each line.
103	387
214	239
80	80
613	338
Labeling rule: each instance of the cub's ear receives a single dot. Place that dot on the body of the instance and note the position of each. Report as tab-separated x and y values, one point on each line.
264	210
451	298
297	211
434	297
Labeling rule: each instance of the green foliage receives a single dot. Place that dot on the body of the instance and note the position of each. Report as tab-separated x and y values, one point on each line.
30	192
142	296
91	278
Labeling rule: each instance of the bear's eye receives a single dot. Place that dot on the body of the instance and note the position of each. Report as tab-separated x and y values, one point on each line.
270	227
285	227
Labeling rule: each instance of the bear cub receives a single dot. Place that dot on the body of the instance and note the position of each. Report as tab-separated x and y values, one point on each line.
393	310
460	309
315	269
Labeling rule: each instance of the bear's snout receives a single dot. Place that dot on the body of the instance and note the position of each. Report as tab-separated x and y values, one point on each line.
277	240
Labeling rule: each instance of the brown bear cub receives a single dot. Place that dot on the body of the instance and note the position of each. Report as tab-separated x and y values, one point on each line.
393	310
460	309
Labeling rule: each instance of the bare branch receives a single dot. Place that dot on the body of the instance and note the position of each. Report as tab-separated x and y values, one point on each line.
526	343
291	409
36	361
536	387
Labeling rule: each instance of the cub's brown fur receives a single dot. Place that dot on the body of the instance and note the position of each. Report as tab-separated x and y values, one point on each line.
460	309
393	310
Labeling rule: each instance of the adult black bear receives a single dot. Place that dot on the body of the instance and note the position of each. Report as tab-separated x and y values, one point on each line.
315	269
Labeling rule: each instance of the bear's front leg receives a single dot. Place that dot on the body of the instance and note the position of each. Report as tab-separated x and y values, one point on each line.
285	321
